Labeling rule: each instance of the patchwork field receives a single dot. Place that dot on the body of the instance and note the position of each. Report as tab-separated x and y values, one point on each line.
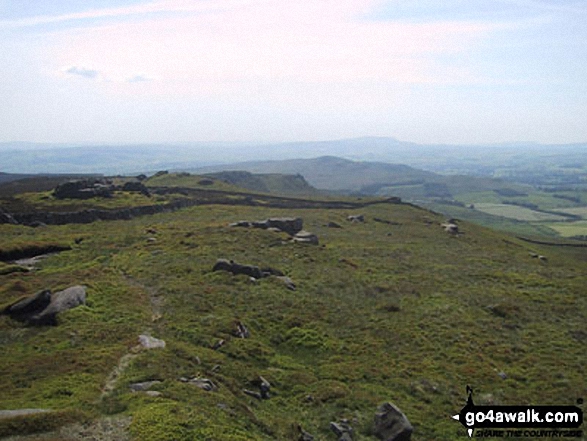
516	212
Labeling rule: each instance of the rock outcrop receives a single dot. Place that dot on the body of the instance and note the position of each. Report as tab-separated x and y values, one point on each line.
84	189
136	187
43	307
391	424
289	225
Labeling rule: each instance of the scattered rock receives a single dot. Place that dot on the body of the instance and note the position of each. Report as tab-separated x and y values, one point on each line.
237	268
218	344
153	393
204	384
333	225
502	375
252	393
289	283
356	218
149	342
343	430
241	330
248	270
533	255
289	225
304	436
264	387
451	228
244	224
306	237
391	424
543	258
143	386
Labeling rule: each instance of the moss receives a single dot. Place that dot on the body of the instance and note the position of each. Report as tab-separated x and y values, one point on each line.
41	422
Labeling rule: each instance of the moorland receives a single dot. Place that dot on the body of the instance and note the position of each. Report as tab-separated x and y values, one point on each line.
385	303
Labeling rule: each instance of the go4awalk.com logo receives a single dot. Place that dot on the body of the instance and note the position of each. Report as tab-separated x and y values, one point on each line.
520	421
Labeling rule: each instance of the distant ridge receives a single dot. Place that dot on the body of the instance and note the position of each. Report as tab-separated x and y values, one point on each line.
335	173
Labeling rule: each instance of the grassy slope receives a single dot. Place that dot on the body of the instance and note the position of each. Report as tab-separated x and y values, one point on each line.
339	338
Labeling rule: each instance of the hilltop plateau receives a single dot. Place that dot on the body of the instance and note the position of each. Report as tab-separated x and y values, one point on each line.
373	301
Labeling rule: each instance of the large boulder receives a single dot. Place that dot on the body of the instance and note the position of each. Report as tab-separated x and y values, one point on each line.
290	225
24	309
60	301
391	424
43	307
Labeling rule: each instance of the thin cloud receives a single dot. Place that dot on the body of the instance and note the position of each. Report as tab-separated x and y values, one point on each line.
164	6
82	72
138	79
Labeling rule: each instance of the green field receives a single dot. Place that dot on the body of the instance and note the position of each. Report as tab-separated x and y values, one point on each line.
516	212
569	229
577	211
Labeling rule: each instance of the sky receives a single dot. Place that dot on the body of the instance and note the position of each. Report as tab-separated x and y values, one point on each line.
180	71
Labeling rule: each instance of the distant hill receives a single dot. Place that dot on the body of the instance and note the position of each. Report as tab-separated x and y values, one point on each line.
8	177
333	173
372	178
236	181
288	184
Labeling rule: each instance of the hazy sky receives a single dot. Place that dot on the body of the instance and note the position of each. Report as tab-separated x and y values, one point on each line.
429	71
